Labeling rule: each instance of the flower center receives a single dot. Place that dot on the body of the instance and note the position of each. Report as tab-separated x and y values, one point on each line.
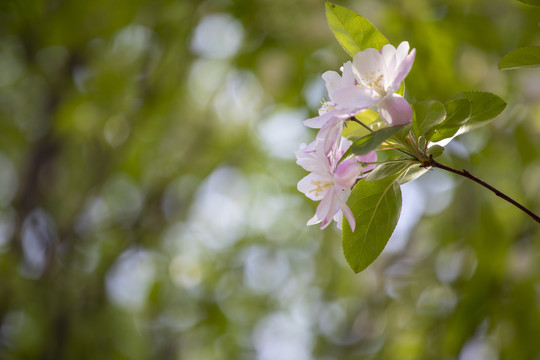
320	186
375	82
326	107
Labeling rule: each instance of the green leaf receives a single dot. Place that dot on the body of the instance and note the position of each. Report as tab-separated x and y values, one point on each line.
444	133
422	142
484	105
525	57
353	32
412	173
428	115
530	2
376	206
371	141
388	168
353	129
403	133
457	113
435	150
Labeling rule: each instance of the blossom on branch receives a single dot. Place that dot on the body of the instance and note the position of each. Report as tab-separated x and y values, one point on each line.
330	181
381	73
334	113
371	80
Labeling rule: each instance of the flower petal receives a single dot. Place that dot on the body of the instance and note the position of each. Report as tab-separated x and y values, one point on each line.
311	157
395	110
341	200
402	51
403	69
388	53
330	133
334	81
347	172
315	186
325	211
370	158
318	121
338	218
369	67
353	99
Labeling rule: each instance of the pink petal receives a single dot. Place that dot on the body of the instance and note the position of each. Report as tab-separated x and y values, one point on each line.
403	69
402	51
330	133
346	210
395	110
332	80
315	186
348	75
354	99
388	53
318	121
344	146
366	62
370	157
338	218
312	158
346	173
369	67
325	211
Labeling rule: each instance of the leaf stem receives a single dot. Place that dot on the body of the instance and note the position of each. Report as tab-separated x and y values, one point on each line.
433	163
361	123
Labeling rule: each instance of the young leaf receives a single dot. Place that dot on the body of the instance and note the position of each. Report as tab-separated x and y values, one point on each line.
403	133
412	173
422	142
435	150
388	168
525	57
371	141
377	206
353	32
484	105
428	115
457	113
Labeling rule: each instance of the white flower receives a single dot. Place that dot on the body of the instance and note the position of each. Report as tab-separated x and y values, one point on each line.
329	181
334	113
381	73
370	81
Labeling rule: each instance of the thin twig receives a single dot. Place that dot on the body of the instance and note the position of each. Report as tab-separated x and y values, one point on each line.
361	123
433	163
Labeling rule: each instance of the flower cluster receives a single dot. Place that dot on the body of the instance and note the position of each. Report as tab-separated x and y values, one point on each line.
370	81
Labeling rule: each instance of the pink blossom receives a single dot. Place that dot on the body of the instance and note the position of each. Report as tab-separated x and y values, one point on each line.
329	181
334	113
382	73
370	81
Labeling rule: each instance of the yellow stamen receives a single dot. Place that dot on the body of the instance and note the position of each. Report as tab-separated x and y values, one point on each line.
326	107
320	186
376	83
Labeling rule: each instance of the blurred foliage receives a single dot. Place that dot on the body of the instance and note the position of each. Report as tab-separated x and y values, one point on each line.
148	202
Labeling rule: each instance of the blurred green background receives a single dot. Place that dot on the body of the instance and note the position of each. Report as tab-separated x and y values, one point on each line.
148	202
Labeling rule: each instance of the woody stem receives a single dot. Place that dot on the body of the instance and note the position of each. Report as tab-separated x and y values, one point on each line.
433	163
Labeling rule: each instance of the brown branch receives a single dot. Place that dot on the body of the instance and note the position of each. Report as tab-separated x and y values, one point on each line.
433	163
